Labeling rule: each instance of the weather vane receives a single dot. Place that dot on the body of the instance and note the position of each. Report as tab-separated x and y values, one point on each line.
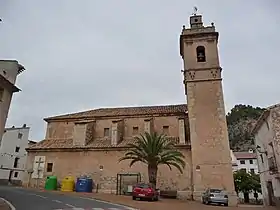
195	10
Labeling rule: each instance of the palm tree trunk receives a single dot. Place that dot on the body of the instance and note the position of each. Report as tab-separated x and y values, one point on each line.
152	173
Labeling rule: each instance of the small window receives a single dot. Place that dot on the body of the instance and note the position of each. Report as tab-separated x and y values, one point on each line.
49	167
1	94
200	54
106	132
215	191
252	170
16	174
17	149
20	135
135	131
251	162
242	162
16	162
143	186
165	130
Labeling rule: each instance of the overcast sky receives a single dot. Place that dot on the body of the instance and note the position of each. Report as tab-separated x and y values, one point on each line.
90	53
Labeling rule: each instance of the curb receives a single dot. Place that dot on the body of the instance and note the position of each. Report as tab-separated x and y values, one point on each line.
9	204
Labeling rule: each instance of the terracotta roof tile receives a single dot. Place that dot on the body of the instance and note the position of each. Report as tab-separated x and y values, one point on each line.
245	155
124	111
95	144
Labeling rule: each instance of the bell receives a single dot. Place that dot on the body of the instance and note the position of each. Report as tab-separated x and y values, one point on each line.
201	57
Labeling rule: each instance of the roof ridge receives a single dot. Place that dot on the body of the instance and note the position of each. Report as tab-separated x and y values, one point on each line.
119	111
140	106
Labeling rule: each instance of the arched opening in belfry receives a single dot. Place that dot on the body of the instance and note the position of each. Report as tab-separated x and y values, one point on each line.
200	54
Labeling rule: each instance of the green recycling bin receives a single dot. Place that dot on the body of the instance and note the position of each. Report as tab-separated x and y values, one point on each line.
51	183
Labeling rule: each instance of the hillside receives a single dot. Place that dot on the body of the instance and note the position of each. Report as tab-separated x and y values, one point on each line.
241	119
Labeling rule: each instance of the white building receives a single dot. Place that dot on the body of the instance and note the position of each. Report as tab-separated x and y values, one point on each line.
13	154
245	161
267	142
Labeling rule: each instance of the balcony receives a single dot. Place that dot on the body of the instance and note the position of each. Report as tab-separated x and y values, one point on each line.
272	165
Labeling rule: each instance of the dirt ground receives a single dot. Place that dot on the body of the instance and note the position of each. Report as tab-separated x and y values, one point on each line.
163	204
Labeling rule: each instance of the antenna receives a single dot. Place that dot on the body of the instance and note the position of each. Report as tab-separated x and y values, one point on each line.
194	10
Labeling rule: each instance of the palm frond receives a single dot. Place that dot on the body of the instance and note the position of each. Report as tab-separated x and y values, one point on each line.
154	149
176	165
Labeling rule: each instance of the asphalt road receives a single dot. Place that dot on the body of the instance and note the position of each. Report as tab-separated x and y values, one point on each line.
26	199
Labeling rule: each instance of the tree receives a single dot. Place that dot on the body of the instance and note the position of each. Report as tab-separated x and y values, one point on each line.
240	120
246	182
256	185
154	150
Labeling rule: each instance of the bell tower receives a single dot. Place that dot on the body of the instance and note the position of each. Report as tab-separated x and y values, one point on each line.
211	160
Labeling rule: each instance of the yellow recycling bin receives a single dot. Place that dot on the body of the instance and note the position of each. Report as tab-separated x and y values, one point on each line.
68	184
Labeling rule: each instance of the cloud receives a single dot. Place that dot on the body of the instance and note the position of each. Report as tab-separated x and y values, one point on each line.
112	53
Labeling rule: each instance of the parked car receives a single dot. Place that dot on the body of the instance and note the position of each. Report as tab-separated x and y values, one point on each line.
145	191
216	196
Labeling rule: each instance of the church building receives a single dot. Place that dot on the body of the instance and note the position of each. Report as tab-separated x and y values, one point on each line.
91	142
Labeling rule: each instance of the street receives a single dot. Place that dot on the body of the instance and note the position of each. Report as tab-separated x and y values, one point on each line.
23	199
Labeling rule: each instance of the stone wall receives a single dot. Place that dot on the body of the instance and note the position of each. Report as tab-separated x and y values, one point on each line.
89	132
88	163
65	129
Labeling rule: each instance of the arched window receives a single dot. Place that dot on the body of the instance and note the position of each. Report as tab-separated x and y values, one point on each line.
200	54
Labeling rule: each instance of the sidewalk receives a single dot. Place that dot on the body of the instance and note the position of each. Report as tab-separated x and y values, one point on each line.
4	205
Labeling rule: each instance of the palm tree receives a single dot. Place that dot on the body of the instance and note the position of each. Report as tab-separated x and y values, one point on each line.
154	150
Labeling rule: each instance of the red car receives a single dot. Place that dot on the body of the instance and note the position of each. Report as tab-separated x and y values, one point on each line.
145	191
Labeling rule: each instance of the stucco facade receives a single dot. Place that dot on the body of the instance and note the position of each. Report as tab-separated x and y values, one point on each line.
13	154
267	142
9	69
246	161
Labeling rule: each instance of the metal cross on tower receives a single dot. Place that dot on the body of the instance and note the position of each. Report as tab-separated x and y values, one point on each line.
194	10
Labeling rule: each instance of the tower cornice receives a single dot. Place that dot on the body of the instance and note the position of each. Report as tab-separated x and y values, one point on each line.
185	37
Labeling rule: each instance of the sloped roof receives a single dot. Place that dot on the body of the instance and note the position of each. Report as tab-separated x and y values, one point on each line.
102	143
245	155
124	111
